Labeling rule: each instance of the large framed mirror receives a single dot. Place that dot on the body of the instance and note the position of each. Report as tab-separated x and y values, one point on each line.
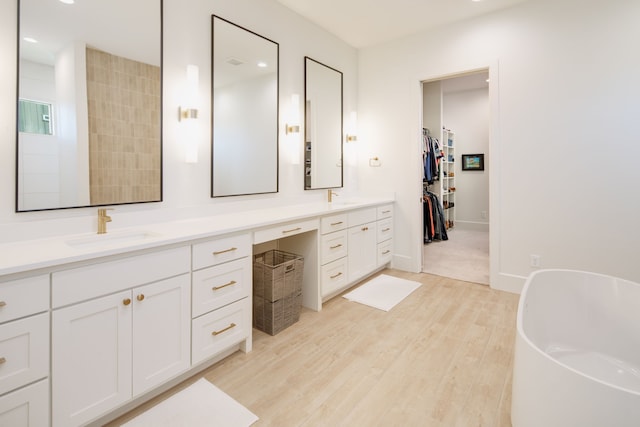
323	126
245	111
89	122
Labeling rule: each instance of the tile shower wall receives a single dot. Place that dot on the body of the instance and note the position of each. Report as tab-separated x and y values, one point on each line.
124	129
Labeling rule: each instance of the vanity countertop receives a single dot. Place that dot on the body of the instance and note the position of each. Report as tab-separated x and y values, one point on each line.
17	257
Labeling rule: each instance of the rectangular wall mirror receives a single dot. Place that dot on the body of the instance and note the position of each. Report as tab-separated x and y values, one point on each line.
245	111
323	126
89	129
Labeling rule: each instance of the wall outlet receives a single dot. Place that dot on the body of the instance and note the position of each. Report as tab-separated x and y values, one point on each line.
535	261
483	214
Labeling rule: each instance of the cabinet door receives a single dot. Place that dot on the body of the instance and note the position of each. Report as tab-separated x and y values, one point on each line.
91	358
362	250
27	407
161	332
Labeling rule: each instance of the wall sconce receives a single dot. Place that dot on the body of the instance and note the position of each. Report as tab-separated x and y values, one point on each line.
353	126
295	116
192	94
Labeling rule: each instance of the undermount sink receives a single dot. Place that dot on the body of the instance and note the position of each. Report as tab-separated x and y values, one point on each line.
111	238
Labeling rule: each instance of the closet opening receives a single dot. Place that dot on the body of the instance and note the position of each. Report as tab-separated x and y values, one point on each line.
455	181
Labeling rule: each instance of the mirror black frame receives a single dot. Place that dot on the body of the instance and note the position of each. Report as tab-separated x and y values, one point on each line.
307	149
161	120
213	112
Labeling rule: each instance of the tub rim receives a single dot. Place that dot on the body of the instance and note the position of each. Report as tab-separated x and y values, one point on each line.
531	344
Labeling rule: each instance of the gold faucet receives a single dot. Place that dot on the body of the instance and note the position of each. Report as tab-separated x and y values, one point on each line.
330	194
103	219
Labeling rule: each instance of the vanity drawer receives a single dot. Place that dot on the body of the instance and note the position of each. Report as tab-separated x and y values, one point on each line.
333	223
385	211
24	351
95	280
385	229
280	231
362	216
333	246
219	330
221	250
385	252
333	276
27	407
23	297
220	285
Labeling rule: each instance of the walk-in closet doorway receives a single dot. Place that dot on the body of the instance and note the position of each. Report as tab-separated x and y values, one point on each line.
456	187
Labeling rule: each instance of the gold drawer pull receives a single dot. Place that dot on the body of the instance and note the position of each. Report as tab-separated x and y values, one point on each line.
140	297
2	303
336	246
333	224
365	228
386	252
385	229
292	230
225	251
385	212
231	283
2	360
335	275
126	301
214	333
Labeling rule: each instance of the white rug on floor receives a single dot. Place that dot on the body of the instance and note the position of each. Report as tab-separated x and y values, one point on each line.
383	292
200	405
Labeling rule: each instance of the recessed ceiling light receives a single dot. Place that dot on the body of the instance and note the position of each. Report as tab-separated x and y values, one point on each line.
262	64
30	40
73	1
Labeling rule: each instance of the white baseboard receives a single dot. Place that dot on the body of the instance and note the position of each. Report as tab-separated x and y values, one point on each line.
509	283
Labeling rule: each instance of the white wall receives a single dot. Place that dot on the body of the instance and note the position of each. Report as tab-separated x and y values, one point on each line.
466	113
186	187
565	98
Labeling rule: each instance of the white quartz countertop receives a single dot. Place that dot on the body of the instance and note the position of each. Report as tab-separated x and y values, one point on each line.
17	257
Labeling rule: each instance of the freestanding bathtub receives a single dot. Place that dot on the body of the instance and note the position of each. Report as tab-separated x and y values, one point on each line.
577	351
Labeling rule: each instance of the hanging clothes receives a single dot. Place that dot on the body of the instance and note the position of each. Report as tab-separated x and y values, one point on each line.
434	226
431	155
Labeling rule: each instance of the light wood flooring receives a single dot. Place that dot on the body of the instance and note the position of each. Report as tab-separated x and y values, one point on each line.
442	357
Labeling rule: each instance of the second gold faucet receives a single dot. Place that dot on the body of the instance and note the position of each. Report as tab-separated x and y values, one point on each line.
103	219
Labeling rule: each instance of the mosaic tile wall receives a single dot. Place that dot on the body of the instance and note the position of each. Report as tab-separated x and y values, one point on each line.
124	129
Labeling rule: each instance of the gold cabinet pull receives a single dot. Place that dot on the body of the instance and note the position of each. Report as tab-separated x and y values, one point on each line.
336	246
214	333
385	229
2	303
126	301
140	297
335	275
225	251
336	223
386	252
292	230
217	288
386	212
365	228
2	360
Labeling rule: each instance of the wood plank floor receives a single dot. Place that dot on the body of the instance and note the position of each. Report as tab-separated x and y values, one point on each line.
442	357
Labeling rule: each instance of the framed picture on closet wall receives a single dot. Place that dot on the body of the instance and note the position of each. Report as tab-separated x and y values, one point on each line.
473	162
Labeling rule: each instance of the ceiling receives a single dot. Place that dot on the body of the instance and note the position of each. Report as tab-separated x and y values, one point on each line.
363	23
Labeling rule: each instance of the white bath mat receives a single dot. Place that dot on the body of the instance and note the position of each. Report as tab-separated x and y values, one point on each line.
200	405
383	292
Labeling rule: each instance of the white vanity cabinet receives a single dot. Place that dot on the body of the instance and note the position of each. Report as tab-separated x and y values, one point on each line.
119	328
333	254
362	234
221	297
24	352
385	234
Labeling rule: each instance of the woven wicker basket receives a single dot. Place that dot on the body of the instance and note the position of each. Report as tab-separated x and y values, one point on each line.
277	290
